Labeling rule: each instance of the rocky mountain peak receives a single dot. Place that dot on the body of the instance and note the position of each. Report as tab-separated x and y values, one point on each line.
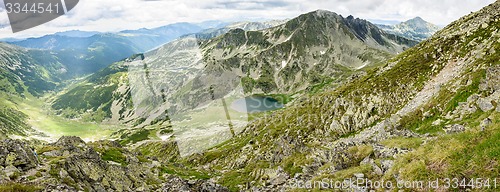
417	19
419	24
416	29
321	12
69	141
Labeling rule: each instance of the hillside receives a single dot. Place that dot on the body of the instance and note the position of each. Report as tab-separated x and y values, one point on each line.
116	75
70	164
24	72
29	70
424	114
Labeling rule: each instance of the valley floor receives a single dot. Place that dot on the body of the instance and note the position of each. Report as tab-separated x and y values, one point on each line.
51	127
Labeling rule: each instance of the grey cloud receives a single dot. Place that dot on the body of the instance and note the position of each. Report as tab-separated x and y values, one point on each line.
112	15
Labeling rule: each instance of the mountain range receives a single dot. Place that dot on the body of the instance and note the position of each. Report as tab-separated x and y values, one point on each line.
77	33
285	59
160	108
89	52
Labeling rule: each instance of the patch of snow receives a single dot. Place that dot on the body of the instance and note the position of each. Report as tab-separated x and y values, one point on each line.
450	71
283	64
289	37
165	137
362	66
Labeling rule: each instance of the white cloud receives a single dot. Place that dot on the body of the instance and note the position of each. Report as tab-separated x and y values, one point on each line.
114	15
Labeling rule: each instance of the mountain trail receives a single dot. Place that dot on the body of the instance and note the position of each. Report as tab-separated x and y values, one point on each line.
380	132
450	71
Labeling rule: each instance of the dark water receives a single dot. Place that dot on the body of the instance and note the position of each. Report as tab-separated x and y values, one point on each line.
255	104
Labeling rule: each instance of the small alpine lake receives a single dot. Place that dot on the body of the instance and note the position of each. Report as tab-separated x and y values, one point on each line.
256	104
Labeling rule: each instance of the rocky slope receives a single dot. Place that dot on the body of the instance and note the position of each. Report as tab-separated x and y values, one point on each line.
416	29
70	164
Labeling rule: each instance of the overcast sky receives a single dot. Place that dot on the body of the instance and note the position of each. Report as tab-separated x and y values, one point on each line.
115	15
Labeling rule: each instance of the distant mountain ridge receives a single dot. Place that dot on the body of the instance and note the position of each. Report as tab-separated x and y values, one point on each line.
143	38
245	25
148	39
77	33
89	51
417	29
